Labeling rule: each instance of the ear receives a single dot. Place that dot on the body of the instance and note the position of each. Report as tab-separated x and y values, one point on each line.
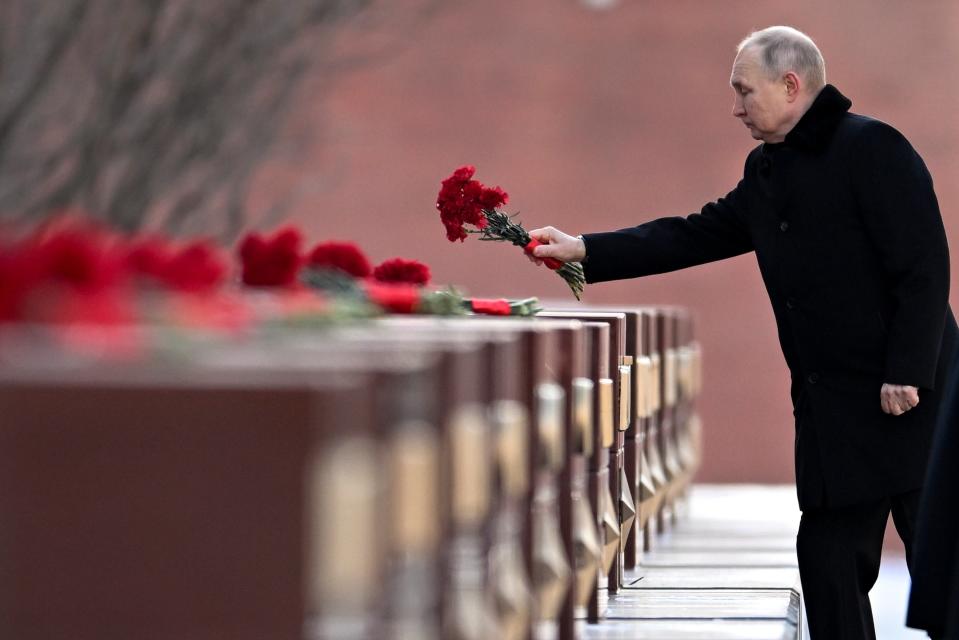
793	86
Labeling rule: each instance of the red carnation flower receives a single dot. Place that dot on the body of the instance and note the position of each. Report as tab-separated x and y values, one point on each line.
343	256
462	200
147	257
78	258
463	174
399	270
272	261
62	267
493	198
197	267
19	273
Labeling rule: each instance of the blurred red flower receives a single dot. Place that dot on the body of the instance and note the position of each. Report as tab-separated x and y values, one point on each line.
400	270
77	257
271	261
195	267
69	275
343	256
147	257
20	272
396	298
198	267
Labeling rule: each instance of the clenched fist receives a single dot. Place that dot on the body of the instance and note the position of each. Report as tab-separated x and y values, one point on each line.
557	244
898	398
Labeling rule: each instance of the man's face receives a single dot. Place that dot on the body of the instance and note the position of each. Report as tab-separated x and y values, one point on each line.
761	103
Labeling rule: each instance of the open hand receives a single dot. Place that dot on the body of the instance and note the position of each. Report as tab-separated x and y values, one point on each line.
898	398
557	244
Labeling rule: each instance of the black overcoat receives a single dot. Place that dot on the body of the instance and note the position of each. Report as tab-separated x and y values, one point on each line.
850	243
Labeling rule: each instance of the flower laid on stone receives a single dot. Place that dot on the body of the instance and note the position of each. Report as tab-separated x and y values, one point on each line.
408	298
342	270
401	270
271	261
503	307
74	271
67	272
344	257
467	206
396	285
196	267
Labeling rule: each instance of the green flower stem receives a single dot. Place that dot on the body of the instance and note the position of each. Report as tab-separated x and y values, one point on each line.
501	228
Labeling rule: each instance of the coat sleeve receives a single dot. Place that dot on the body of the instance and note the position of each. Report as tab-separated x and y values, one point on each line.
901	216
718	231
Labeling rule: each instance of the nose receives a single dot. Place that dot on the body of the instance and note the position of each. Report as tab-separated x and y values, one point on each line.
738	110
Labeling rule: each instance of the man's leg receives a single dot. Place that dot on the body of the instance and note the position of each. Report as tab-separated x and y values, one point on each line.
839	552
905	512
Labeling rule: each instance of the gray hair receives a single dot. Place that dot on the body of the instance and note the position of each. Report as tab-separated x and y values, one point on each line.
784	49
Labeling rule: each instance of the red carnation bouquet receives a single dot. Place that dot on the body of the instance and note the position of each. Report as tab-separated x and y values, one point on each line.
464	202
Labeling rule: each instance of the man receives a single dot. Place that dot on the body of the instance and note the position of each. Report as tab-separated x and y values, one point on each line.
842	215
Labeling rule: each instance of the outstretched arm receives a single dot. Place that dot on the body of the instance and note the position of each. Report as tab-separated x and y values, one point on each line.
718	231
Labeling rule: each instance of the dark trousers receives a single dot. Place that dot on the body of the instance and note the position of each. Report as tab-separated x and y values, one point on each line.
839	551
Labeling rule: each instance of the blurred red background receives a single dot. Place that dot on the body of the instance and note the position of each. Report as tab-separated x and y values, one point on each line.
598	119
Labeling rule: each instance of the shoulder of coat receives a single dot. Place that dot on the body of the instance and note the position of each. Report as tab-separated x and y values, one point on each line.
864	130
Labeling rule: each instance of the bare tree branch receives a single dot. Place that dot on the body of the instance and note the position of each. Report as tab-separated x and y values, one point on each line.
55	40
160	112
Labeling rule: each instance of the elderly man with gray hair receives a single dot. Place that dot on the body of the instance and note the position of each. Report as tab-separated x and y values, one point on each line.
841	214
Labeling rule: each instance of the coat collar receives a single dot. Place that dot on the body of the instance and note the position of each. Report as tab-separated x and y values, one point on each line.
816	127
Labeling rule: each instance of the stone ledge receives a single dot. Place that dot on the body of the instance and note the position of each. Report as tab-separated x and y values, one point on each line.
727	570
